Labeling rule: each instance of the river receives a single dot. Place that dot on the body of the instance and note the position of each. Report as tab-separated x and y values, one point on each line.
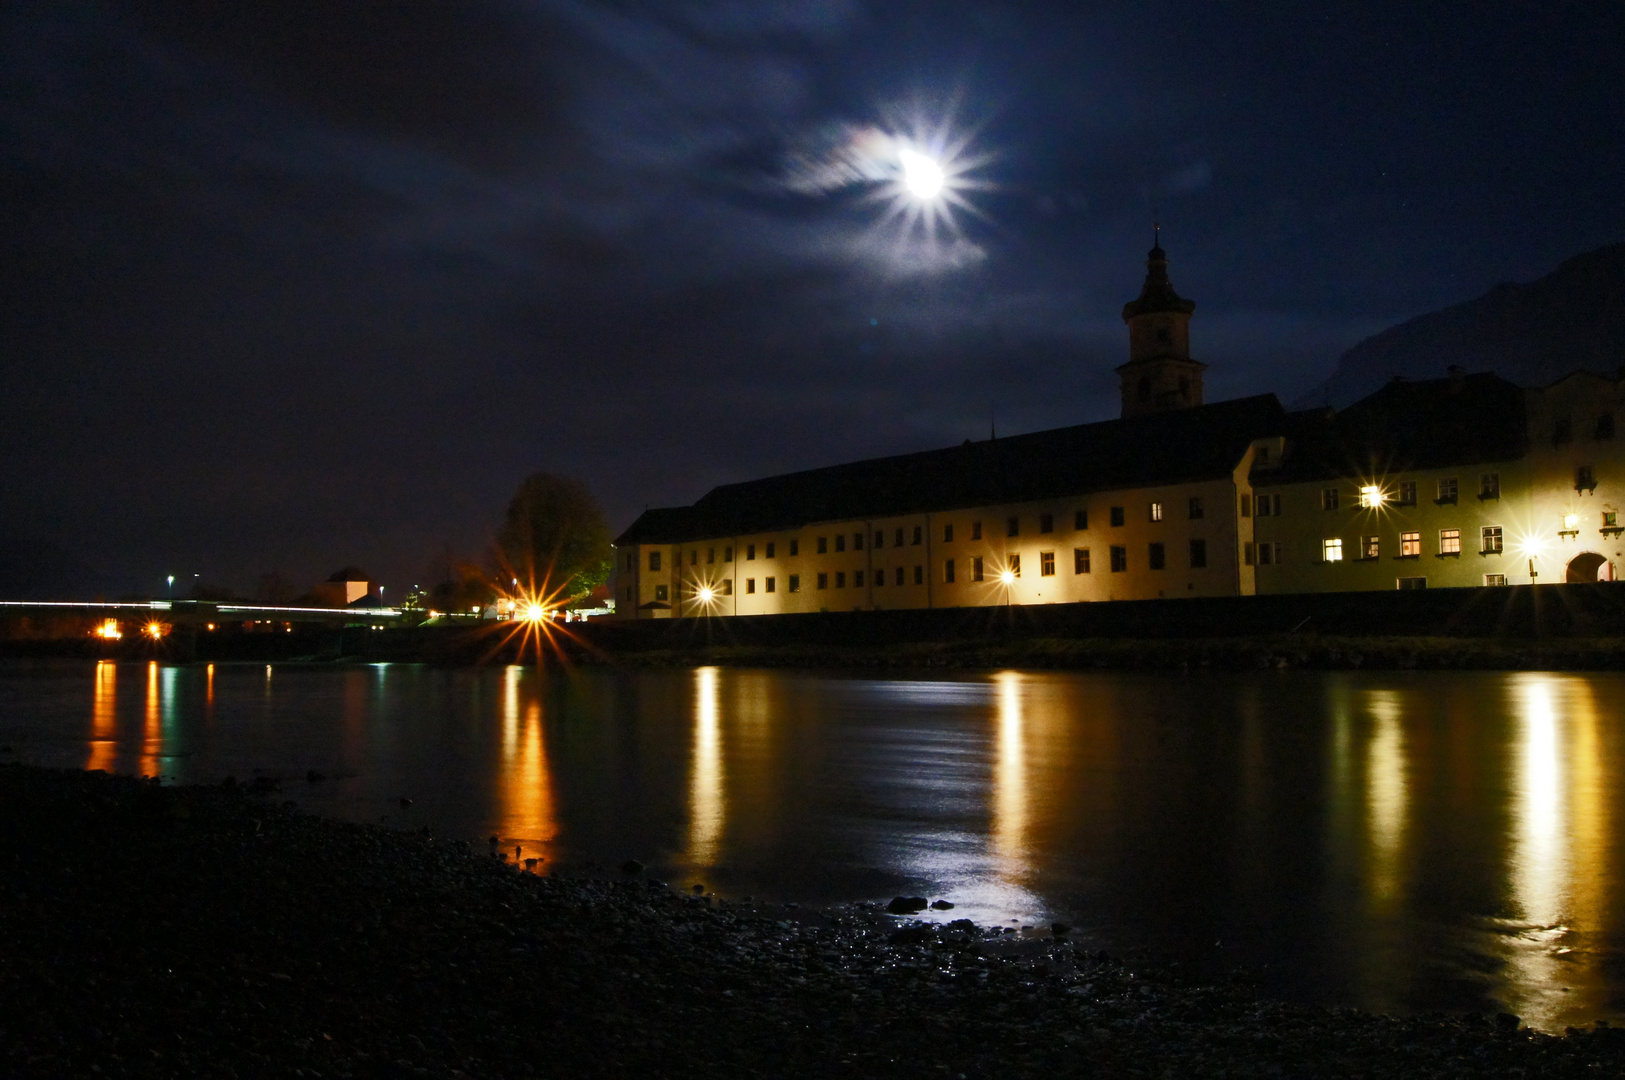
1403	842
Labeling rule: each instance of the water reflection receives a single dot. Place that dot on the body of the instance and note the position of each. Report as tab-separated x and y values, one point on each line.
104	718
706	803
1387	794
1009	830
152	731
527	789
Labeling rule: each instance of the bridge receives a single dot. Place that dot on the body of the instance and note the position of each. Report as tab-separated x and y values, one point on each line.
204	612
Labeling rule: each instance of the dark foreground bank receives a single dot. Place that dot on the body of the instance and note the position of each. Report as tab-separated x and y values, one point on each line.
149	931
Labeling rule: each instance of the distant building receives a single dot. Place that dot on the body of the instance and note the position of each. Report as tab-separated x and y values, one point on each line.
342	588
1462	481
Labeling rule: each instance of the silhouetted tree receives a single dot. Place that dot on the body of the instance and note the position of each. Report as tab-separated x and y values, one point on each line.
555	535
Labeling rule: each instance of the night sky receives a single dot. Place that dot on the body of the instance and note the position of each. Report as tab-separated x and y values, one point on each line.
294	285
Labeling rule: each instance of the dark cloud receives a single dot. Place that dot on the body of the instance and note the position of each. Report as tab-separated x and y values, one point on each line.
298	285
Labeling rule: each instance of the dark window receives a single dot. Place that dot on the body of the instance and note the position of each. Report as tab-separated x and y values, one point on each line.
1560	431
1407	493
857	578
823	581
654	560
1198	554
1605	426
1012	563
880	578
795	547
1012	526
1080	561
1246	506
1196	508
728	554
840	579
727	586
1080	519
1328	498
840	542
1490	539
1489	485
1249	553
661	593
770	553
1119	559
1406	584
897	540
795	583
1046	523
710	555
1447	490
919	575
857	541
897	578
823	545
880	538
919	534
976	568
1046	564
750	552
1117	515
750	585
948	571
1583	478
1157	557
771	582
947	534
694	557
976	530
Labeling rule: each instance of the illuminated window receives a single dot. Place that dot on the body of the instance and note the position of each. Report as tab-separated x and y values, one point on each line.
1370	548
654	560
1012	563
823	545
1489	485
1080	519
1409	584
948	572
1370	497
1196	511
1494	580
1012	526
976	530
976	568
1046	523
1156	511
823	581
840	542
1157	556
1449	541
919	575
772	584
1046	564
750	585
1331	550
1447	490
1080	561
1198	554
1328	498
1119	559
1117	516
947	534
840	579
1610	519
661	593
794	584
770	554
1489	539
1406	495
1410	545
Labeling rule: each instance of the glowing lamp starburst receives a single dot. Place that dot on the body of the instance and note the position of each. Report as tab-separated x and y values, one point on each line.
1008	577
706	594
533	612
154	630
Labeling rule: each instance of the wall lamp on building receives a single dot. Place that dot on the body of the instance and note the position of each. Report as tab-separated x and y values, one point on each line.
1372	497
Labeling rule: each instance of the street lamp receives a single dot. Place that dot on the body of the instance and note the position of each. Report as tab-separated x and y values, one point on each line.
172	586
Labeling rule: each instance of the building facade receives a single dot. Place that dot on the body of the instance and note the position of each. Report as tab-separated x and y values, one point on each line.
1466	481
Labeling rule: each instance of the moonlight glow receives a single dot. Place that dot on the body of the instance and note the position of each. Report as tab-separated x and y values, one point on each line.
921	176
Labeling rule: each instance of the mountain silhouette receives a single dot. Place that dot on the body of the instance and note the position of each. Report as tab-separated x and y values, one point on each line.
1531	333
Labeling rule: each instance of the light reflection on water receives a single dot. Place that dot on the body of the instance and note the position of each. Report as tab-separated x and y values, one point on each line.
1400	841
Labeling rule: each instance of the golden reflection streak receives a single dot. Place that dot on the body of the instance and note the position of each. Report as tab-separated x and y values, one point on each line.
1588	810
104	718
706	809
152	731
208	691
510	710
1387	793
528	816
1010	779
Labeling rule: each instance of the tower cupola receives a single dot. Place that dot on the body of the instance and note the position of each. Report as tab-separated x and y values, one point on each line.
1160	374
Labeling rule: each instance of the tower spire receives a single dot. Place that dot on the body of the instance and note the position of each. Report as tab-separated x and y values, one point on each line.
1160	374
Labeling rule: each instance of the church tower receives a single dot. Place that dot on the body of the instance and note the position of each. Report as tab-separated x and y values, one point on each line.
1160	374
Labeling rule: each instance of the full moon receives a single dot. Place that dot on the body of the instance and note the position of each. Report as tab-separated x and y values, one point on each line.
921	175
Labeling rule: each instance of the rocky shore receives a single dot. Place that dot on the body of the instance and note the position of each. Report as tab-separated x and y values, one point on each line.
151	931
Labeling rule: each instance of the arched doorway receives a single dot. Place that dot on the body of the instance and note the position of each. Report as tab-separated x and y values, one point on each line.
1589	566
